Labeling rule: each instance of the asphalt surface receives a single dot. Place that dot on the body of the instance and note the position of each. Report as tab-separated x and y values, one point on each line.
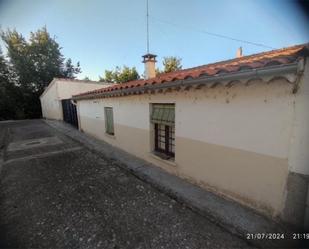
54	193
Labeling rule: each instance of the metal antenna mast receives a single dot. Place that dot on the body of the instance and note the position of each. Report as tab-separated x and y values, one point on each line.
147	16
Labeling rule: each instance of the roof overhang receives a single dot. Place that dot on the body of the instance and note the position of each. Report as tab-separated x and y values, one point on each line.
288	71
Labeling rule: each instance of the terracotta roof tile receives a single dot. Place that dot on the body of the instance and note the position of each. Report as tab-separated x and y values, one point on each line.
265	59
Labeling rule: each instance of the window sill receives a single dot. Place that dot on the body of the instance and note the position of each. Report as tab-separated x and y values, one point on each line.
110	135
169	162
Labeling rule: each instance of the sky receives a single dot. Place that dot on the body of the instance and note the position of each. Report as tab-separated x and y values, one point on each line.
103	34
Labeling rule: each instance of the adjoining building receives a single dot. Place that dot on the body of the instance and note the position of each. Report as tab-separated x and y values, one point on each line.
56	99
238	127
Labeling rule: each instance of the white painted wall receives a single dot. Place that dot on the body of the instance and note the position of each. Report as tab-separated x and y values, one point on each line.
299	146
63	89
68	88
235	140
256	118
50	104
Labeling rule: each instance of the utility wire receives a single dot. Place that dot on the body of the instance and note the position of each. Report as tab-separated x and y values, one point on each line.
213	34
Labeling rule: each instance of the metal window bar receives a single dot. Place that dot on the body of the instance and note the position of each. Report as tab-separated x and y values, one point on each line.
164	141
163	118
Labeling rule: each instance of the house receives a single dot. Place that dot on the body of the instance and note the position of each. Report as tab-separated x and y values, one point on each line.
59	92
238	127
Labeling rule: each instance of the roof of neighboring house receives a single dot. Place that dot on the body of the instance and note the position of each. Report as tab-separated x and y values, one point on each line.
275	58
68	80
82	81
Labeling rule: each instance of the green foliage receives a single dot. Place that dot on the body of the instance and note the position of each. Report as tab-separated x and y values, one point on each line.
120	75
33	64
170	64
7	90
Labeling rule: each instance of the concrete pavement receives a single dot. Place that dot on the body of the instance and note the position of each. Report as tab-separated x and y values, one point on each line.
56	193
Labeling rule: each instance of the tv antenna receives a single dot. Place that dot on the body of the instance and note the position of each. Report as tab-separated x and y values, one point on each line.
147	23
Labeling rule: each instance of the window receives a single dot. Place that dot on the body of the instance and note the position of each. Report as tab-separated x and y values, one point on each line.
109	120
163	118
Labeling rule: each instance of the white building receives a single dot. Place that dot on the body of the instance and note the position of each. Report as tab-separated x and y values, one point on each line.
237	127
61	89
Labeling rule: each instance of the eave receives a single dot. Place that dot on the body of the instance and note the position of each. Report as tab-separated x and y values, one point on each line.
290	72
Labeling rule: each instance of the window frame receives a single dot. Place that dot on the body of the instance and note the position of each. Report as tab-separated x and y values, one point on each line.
168	152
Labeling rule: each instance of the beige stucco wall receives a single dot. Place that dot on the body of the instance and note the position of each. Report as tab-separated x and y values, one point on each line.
232	140
63	89
68	88
50	104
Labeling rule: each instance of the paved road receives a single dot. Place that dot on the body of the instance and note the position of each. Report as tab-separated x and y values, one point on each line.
54	193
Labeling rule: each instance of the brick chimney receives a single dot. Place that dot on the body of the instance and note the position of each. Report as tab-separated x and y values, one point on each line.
150	65
239	52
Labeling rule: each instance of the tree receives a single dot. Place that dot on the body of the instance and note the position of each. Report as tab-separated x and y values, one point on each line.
7	89
120	75
35	63
171	64
69	70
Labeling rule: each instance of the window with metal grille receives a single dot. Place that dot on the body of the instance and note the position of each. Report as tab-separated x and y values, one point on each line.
163	118
109	120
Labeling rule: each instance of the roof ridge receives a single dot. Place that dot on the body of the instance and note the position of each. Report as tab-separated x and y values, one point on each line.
237	59
86	81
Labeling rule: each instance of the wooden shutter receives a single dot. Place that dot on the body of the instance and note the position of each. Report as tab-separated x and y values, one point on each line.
109	120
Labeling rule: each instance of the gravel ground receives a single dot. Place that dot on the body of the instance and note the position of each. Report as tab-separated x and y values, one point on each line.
54	197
